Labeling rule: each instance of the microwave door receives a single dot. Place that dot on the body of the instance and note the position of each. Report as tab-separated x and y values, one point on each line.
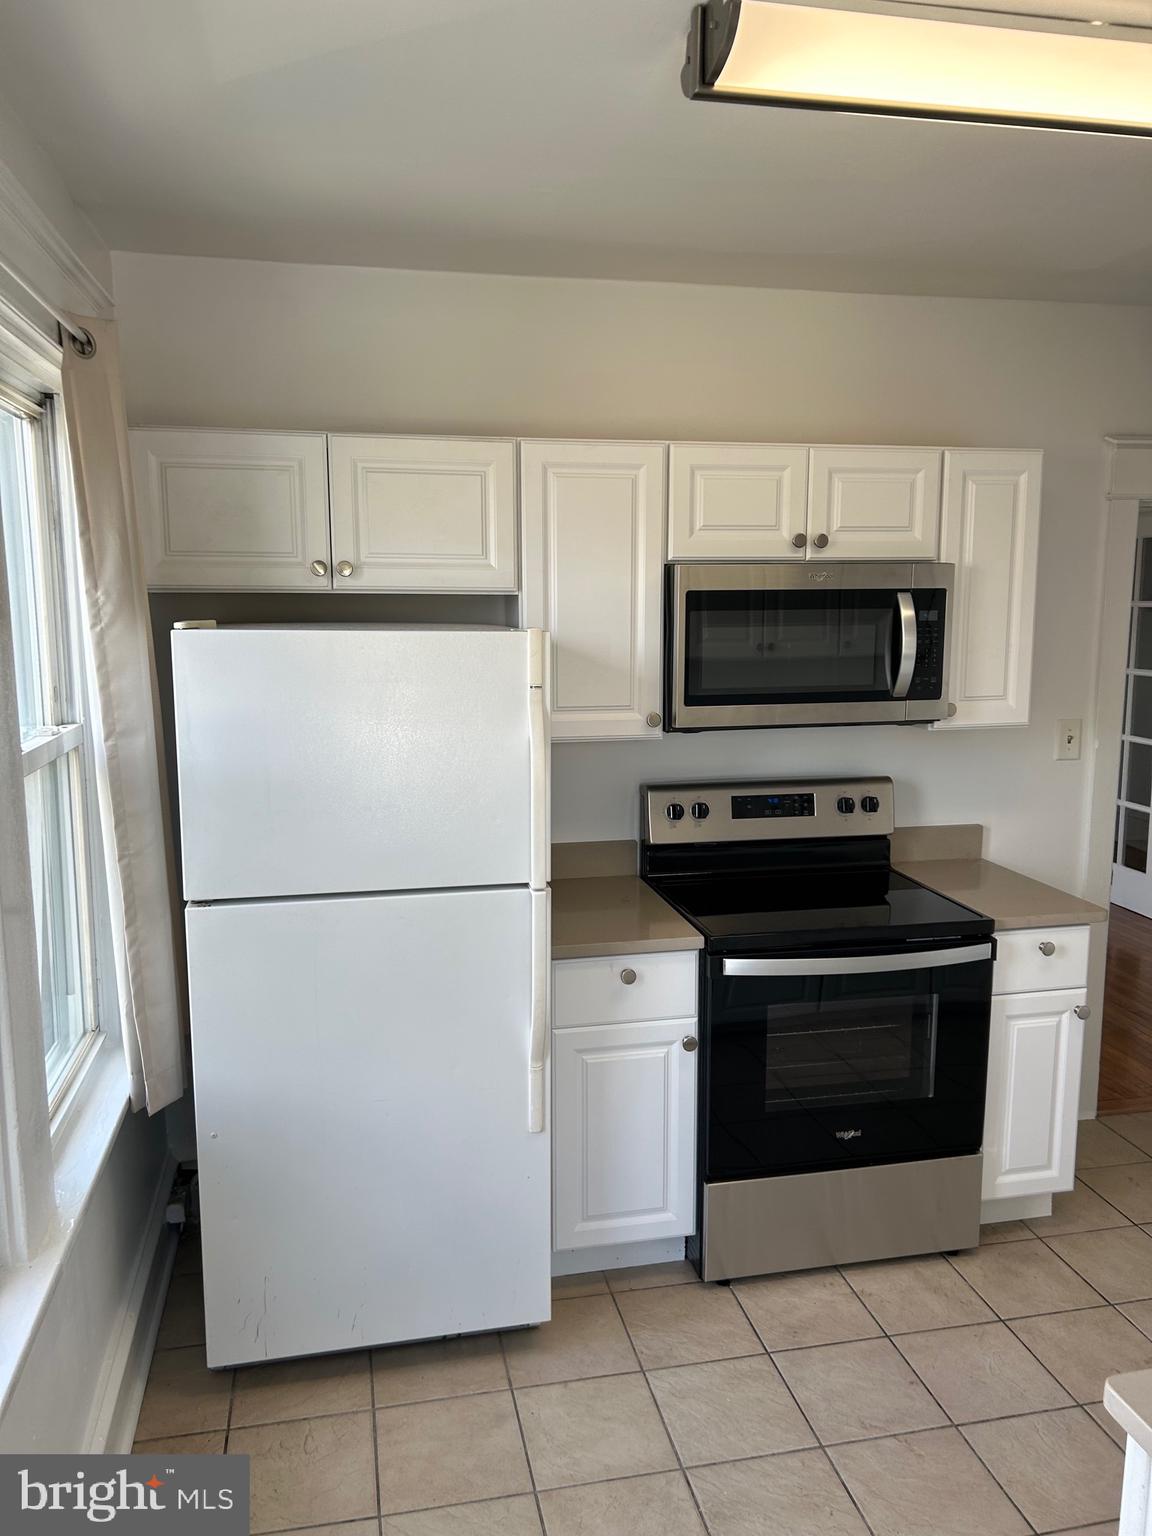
904	659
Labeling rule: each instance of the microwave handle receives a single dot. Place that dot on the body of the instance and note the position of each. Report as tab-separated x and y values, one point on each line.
860	965
906	616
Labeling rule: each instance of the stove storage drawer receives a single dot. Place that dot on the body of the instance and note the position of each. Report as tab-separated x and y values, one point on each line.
1040	960
624	989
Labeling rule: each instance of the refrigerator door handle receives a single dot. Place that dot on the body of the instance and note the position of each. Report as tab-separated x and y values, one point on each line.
541	848
541	988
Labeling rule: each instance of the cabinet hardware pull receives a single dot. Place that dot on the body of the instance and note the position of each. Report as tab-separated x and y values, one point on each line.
820	541
344	568
1083	1012
628	976
319	567
799	540
654	718
1047	948
689	1042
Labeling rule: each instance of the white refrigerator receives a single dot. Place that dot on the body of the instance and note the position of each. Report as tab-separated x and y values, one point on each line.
364	829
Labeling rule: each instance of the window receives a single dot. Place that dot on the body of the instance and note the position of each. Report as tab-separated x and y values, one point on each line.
40	559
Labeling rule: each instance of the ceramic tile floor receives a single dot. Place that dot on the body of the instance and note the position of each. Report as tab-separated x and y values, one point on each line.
921	1397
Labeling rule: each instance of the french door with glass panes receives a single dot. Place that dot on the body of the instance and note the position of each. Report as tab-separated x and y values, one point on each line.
1131	870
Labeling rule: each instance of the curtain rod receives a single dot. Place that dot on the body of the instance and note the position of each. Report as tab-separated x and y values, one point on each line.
83	342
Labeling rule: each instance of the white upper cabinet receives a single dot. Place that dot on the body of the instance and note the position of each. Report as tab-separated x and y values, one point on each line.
991	533
874	503
593	537
423	514
232	509
737	501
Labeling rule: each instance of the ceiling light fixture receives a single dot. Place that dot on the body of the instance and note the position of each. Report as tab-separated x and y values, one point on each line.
900	58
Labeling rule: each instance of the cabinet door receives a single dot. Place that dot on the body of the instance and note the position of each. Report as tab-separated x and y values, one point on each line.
990	531
423	514
1033	1086
232	509
593	565
736	501
624	1133
873	503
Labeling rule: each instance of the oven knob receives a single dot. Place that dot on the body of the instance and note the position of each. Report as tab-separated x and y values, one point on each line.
700	811
870	805
675	811
845	805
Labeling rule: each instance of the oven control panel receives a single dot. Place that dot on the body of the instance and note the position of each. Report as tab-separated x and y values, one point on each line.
752	811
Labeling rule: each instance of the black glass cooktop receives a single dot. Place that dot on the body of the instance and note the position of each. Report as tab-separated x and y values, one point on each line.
790	908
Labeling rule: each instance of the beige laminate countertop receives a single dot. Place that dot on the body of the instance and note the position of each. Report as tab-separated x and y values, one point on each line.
1012	900
615	915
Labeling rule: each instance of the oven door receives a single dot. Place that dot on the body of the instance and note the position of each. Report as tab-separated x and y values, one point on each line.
762	644
833	1060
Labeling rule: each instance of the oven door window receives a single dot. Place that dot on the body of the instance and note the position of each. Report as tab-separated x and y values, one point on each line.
781	646
807	1072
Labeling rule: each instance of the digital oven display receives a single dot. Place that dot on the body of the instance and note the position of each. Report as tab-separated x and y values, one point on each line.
760	807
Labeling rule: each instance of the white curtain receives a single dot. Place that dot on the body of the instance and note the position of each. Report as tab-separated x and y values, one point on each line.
133	789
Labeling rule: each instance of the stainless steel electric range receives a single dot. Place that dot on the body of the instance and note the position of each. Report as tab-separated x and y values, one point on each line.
844	1014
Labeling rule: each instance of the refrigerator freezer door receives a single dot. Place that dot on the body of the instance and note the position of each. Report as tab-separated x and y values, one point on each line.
367	1174
320	761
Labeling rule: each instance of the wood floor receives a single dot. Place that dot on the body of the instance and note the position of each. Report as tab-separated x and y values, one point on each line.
1126	1049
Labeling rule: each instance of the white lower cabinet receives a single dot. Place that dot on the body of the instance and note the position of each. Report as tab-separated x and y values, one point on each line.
1030	1116
623	1123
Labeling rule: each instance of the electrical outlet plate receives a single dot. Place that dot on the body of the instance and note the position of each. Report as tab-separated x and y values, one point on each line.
1068	733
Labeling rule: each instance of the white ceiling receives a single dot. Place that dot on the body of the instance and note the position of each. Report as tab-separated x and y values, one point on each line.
541	136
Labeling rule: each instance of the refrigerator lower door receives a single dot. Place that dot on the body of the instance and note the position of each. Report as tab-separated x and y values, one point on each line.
367	1171
318	761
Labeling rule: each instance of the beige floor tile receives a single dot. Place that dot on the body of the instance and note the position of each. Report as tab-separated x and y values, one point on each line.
1140	1313
1059	1469
643	1277
910	1295
1017	1279
414	1373
817	1306
588	1431
1107	1423
349	1528
982	1372
566	1286
183	1397
516	1516
1099	1146
1109	1528
1128	1188
931	1484
584	1338
683	1324
848	1391
210	1444
660	1505
728	1409
1135	1129
302	1389
309	1472
449	1452
1003	1232
1118	1262
1081	1209
798	1494
182	1322
1082	1348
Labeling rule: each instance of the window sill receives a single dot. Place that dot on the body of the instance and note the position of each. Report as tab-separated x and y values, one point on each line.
82	1141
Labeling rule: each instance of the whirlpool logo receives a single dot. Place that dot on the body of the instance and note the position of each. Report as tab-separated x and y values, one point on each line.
63	1494
848	1135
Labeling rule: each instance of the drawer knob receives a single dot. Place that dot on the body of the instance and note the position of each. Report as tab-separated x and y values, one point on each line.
799	540
653	718
344	567
820	541
628	976
689	1042
1047	948
319	567
1083	1012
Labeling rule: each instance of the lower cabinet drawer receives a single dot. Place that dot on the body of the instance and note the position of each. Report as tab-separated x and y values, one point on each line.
1041	960
624	989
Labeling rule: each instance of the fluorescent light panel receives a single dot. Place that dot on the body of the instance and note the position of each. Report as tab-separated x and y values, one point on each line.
974	65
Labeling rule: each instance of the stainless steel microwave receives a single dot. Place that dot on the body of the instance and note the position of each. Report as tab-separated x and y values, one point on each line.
766	643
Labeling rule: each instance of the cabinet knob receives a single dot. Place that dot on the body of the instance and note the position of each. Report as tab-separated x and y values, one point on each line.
1083	1012
799	540
820	541
344	568
628	976
689	1042
319	567
653	718
1047	948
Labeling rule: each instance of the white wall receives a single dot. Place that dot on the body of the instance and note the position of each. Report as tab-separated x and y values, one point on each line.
227	343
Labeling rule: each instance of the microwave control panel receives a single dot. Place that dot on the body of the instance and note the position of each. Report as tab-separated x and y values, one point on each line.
928	678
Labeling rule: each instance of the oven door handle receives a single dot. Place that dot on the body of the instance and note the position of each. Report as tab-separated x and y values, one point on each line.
906	617
861	965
